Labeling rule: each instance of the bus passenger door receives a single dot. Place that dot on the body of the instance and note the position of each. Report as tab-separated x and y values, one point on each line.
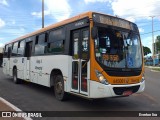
28	51
80	64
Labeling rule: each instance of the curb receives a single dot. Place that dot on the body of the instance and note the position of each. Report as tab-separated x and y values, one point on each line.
155	71
10	105
152	67
13	107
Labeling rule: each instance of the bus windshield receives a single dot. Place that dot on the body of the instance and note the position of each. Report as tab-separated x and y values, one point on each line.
118	49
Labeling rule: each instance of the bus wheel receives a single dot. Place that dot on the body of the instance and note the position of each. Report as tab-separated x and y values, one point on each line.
15	79
60	94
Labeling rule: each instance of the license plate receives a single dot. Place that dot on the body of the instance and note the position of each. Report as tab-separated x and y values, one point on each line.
126	93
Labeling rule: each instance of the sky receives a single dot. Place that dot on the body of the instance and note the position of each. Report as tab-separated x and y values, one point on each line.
19	17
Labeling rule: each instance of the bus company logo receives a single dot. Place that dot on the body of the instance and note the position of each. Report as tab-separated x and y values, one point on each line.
79	23
38	61
15	61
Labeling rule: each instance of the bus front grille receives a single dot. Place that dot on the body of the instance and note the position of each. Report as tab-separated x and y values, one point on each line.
121	90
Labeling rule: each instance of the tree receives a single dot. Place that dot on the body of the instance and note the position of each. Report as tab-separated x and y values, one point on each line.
146	50
158	43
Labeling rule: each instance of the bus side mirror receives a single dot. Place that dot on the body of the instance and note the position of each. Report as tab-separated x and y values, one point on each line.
94	32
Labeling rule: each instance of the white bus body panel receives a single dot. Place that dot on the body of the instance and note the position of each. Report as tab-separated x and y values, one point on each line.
6	66
39	68
99	90
19	63
20	67
42	66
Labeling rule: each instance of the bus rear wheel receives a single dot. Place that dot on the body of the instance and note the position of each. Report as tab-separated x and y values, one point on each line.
59	92
15	79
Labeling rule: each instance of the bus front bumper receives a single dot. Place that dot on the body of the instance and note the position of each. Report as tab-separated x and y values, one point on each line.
99	90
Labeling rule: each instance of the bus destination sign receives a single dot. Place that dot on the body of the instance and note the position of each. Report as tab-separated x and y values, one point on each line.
113	21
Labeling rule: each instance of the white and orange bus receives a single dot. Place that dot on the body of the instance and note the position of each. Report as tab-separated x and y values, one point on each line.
92	55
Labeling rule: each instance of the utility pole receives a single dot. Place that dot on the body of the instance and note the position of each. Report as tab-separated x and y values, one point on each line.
42	13
153	49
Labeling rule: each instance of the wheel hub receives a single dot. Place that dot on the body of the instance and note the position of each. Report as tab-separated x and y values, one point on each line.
59	87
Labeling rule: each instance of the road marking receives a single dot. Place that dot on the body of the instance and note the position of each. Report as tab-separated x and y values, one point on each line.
13	107
146	95
150	97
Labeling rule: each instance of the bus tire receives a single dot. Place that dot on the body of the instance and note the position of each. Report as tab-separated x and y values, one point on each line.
15	79
59	92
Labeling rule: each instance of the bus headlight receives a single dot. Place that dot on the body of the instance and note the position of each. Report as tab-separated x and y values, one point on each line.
142	78
101	78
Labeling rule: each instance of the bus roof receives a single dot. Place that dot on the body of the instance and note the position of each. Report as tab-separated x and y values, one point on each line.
80	16
72	19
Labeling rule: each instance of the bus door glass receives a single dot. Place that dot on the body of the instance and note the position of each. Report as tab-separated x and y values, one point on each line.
80	62
28	51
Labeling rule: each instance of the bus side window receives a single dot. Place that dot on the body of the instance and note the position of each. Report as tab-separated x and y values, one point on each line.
14	49
56	47
41	44
21	47
56	41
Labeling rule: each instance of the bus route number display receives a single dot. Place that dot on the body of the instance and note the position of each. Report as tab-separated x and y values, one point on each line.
113	58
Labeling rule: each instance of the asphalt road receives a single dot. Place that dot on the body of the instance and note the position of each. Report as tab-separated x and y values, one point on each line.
32	97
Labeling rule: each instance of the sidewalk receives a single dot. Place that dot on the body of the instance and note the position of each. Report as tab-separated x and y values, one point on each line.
5	106
152	66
